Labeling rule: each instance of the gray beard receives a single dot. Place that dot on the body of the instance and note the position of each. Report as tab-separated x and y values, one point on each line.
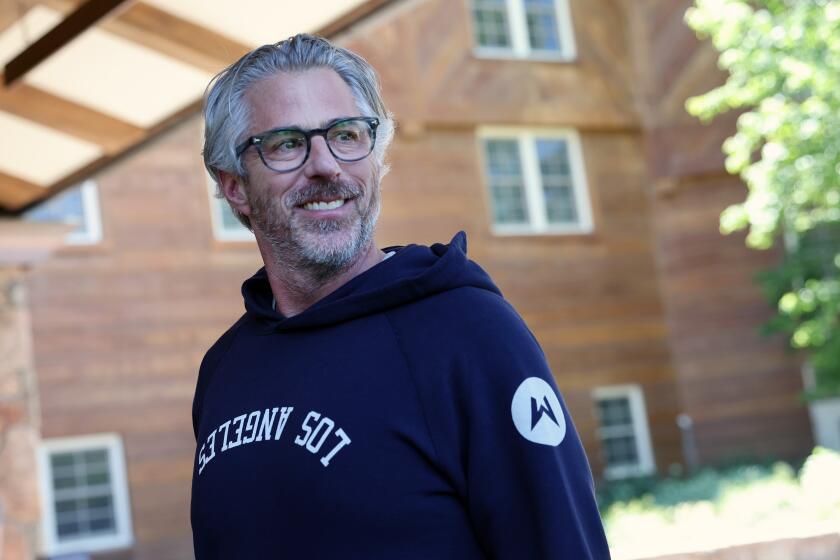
305	247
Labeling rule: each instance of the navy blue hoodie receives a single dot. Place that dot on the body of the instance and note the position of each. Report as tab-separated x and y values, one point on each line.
408	415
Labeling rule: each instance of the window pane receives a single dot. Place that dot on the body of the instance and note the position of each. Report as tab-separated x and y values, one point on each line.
73	515
95	456
68	529
64	208
99	502
560	205
64	482
819	248
62	460
614	412
542	25
84	502
102	525
66	506
491	23
229	221
96	478
620	451
506	182
556	174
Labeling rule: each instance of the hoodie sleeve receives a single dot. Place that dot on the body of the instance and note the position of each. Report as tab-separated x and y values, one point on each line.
503	433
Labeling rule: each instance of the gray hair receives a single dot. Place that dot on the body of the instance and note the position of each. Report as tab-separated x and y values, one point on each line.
227	114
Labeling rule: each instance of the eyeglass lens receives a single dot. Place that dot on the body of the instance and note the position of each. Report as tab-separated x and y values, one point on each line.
347	140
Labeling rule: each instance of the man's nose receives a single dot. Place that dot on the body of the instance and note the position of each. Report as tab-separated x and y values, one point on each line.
321	162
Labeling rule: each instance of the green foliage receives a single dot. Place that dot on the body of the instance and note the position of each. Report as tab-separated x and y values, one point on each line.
674	489
717	507
783	60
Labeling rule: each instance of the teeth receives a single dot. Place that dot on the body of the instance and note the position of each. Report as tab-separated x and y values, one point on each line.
324	205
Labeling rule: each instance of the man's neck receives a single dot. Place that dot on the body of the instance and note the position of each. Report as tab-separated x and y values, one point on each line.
296	288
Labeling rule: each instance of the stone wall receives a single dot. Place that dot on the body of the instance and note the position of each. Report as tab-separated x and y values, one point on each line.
19	432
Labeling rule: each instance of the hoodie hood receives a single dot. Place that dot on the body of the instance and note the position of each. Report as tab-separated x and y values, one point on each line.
413	273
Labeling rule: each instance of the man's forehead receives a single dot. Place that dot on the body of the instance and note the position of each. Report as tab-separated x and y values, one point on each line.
306	99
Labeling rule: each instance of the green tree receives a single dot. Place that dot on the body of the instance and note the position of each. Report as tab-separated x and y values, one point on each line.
783	60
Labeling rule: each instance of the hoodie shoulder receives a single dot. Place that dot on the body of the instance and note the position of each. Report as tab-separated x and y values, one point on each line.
466	319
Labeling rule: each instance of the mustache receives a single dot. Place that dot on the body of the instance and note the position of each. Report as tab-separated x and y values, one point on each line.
323	190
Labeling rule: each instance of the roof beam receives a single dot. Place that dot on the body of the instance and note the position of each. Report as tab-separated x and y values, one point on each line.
44	108
47	192
176	37
16	193
73	25
346	21
29	197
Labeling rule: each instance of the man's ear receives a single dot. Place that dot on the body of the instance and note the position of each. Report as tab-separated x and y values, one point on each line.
233	188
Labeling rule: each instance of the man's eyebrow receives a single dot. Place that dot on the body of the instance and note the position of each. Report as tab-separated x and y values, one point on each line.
324	124
327	124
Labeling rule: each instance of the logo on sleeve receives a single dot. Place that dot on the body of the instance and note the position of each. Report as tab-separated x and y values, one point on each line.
537	414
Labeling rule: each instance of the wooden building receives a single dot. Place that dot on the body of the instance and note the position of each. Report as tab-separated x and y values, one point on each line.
554	134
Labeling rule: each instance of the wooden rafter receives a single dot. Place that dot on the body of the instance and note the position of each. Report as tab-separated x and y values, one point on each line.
42	107
152	28
44	193
71	27
364	10
16	193
176	37
94	166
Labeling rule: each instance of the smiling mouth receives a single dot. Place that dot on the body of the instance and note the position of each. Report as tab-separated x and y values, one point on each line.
324	205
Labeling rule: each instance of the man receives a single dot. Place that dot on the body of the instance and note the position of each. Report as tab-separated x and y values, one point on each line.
369	404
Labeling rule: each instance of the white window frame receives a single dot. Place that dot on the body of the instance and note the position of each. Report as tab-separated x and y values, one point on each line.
534	194
217	206
641	430
51	545
520	46
92	218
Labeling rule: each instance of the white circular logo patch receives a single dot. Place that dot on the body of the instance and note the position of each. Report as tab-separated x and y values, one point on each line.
537	414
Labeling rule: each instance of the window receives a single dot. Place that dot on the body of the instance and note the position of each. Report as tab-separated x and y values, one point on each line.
818	250
624	433
523	29
84	495
536	181
226	226
77	206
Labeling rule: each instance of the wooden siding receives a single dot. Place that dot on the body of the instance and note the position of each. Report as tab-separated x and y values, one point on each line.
119	329
740	387
424	52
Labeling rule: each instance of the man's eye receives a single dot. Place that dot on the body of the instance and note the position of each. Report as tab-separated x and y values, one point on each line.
346	136
283	144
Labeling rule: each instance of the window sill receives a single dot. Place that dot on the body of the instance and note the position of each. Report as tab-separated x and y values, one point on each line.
78	249
618	473
503	54
526	231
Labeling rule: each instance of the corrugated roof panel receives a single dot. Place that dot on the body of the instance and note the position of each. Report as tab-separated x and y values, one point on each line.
120	78
39	154
25	31
257	22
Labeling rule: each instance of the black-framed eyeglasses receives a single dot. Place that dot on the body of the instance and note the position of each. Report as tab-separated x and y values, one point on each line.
287	149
